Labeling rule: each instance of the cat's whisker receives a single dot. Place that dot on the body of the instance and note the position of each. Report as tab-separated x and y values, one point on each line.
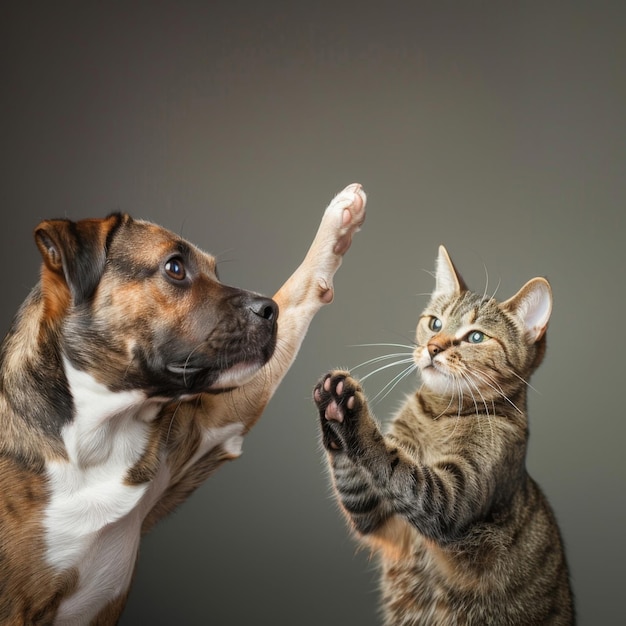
486	281
391	385
491	381
493	295
471	393
459	395
487	377
378	359
387	366
468	378
488	380
476	410
523	380
473	383
378	345
450	401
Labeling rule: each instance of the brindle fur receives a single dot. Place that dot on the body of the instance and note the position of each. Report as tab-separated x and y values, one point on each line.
102	305
464	535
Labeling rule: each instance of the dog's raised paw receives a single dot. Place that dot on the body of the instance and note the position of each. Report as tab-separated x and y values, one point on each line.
342	218
347	210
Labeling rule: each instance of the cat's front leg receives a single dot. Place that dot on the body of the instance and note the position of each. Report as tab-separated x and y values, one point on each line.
356	449
376	477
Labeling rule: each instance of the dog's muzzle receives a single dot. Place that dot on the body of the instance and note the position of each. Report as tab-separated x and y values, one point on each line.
240	337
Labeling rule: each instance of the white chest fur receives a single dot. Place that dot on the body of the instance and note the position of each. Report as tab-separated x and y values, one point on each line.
93	519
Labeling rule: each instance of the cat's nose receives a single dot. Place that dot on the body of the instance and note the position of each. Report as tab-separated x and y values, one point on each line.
434	348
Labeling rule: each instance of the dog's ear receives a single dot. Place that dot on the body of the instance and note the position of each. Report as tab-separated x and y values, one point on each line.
74	255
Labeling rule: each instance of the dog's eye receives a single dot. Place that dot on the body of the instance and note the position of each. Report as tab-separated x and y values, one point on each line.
175	269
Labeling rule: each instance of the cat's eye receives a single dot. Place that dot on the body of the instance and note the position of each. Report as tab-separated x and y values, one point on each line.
435	324
476	336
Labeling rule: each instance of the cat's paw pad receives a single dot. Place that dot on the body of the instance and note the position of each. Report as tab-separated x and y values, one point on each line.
346	214
338	398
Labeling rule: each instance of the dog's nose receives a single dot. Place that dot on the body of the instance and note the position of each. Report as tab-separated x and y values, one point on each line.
265	308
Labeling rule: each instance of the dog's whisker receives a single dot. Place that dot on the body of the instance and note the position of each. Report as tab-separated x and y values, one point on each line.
198	347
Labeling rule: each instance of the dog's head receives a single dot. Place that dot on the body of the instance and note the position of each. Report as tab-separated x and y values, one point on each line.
141	308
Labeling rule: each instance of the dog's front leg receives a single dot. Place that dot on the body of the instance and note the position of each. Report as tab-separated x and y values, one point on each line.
308	289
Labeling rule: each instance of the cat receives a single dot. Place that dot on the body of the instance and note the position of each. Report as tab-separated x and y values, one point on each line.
463	533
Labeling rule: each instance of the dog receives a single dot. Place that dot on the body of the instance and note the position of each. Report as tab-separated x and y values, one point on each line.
129	375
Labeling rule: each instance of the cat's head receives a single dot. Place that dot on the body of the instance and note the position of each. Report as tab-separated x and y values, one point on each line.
473	347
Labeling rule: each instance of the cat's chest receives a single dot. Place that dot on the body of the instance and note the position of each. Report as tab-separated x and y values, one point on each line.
416	431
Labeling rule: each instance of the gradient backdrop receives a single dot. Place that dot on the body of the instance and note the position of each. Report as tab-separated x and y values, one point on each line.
495	128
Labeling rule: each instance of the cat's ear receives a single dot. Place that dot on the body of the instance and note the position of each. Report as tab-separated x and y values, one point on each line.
532	304
448	281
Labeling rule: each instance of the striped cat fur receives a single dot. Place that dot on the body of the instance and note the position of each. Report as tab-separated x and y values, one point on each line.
464	535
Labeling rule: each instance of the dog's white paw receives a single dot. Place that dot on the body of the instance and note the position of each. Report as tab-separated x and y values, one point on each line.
345	216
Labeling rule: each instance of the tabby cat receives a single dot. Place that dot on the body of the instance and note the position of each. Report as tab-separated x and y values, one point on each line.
464	534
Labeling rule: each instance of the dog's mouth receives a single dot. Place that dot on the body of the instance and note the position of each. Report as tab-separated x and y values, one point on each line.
182	369
229	378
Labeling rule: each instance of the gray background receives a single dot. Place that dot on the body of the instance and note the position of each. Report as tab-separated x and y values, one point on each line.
495	128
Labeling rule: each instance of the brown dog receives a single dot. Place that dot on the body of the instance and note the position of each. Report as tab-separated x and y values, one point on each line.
129	375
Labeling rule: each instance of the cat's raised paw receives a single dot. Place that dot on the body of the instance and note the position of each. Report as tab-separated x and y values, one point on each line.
339	399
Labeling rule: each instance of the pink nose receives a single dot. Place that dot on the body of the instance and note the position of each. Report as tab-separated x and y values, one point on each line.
434	348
